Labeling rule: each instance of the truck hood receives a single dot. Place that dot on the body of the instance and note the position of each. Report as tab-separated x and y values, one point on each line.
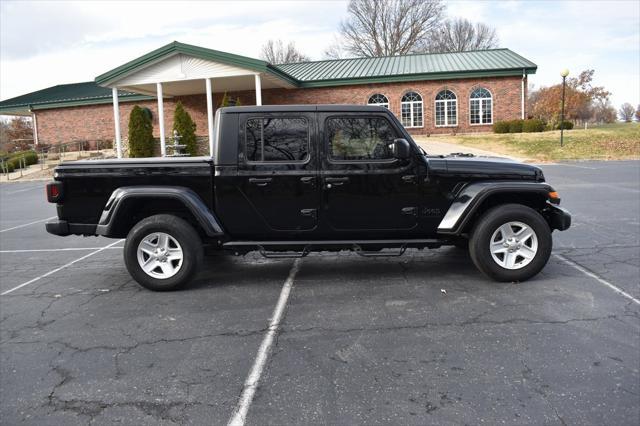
482	167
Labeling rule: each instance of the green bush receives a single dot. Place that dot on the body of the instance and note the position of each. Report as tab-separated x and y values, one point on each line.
31	157
501	127
7	167
14	163
515	126
186	128
532	125
568	125
140	134
15	160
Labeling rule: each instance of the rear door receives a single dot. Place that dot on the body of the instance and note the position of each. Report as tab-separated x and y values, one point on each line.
366	192
278	171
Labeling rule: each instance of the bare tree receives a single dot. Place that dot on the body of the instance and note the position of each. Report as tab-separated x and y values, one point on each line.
604	112
275	52
638	113
335	50
626	112
460	35
388	27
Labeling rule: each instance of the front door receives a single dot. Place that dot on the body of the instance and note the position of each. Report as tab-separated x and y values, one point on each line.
278	172
366	192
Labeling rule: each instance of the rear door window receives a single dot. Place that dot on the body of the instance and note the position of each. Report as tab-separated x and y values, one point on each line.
282	139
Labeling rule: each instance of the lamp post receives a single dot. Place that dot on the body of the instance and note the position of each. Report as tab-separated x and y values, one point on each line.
564	73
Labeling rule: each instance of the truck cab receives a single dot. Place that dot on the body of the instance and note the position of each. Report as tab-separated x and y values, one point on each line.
322	173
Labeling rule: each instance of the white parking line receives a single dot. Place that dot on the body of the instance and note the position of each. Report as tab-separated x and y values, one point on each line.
596	277
239	415
60	268
28	224
59	249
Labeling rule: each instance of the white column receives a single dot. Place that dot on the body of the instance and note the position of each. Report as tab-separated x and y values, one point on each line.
35	128
258	90
522	97
116	121
163	147
210	114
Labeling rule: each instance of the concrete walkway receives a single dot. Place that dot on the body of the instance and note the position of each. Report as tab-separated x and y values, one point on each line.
33	172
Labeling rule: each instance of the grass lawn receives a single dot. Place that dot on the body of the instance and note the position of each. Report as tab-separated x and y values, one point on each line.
616	141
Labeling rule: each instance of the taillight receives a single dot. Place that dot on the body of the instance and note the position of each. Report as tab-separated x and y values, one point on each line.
54	192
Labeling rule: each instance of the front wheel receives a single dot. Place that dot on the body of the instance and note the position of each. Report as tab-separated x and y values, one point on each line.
163	252
511	243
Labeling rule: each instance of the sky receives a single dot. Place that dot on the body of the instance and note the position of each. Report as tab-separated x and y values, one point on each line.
46	43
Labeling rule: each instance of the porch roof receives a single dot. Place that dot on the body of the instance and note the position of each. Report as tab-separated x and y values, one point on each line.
110	78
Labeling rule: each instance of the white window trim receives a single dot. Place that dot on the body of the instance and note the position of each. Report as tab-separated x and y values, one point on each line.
411	109
446	116
480	110
382	104
387	104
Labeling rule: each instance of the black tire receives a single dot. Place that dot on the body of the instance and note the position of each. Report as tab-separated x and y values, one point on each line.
178	229
487	224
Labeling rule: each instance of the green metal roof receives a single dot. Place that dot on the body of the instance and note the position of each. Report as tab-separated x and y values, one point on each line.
388	69
88	93
495	62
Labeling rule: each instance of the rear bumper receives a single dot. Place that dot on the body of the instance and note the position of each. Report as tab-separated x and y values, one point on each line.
63	228
559	218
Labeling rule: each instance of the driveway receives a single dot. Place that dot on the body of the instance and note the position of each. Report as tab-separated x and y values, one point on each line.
422	339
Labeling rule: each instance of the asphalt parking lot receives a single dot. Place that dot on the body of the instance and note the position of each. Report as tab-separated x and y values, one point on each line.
419	339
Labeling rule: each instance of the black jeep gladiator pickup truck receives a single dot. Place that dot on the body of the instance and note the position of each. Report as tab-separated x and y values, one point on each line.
289	180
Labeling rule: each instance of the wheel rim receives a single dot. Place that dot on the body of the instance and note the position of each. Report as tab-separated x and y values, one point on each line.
160	255
513	245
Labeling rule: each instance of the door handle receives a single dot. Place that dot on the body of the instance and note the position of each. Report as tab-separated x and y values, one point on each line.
409	178
409	211
312	213
336	180
260	181
308	180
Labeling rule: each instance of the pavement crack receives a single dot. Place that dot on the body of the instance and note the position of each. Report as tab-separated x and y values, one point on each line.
527	375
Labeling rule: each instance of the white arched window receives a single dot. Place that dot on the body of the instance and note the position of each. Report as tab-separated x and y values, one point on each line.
379	100
446	109
480	107
411	110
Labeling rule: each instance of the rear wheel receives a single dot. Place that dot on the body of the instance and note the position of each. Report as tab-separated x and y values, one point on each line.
163	252
511	242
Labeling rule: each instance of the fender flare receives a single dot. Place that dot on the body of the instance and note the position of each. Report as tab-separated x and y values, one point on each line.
192	202
469	199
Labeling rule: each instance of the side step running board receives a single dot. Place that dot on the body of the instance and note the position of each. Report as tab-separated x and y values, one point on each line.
360	252
283	254
296	249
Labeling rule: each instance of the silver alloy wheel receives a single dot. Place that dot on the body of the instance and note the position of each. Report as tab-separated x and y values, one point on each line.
160	255
513	245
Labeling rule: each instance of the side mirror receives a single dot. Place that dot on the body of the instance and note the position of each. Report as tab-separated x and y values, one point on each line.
400	149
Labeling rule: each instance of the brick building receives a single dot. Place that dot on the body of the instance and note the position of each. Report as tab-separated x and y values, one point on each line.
429	93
